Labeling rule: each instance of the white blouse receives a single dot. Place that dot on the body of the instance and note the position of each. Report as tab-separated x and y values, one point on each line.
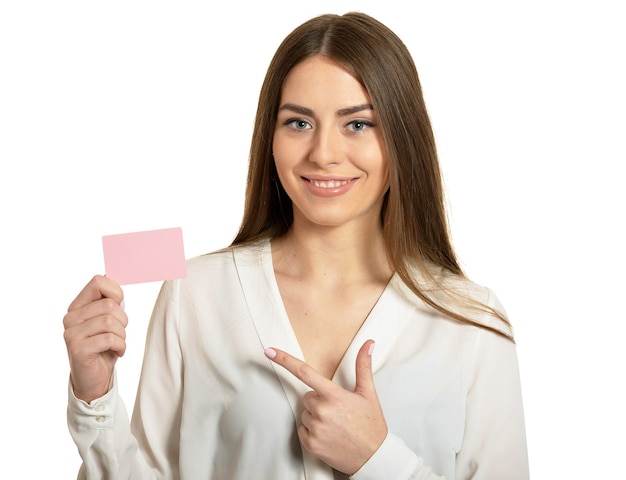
210	405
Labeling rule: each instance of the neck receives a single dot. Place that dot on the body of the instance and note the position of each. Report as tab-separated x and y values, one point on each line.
332	256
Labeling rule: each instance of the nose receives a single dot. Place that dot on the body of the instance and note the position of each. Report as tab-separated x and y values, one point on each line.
326	148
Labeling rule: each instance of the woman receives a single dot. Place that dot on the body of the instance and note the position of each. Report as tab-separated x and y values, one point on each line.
261	363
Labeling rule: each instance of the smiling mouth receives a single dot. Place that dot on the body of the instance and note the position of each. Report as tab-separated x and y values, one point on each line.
328	183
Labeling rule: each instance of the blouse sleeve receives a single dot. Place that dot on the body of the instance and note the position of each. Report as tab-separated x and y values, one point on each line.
494	440
107	443
394	461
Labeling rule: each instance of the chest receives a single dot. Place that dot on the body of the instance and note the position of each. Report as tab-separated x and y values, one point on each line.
325	321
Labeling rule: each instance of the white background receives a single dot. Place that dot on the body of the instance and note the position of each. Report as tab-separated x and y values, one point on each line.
125	115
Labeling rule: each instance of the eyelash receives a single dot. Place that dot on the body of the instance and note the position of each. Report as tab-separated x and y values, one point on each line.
365	123
292	122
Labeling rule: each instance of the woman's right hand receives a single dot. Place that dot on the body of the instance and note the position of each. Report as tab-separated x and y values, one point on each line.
95	336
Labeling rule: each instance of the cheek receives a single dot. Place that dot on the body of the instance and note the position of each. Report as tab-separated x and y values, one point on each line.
386	171
383	165
284	167
376	165
382	174
285	153
282	164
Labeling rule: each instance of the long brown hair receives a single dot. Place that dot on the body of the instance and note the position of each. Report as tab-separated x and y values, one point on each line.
413	216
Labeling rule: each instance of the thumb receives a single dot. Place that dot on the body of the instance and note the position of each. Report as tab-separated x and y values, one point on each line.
364	375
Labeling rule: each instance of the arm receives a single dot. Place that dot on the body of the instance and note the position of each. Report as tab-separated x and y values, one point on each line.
101	428
494	443
101	432
156	419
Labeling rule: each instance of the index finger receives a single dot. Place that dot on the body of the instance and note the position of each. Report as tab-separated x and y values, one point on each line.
301	370
98	287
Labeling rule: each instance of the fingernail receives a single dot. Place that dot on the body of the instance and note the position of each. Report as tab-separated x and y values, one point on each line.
270	352
371	349
123	305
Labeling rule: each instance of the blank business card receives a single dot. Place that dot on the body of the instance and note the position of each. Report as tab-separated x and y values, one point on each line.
148	256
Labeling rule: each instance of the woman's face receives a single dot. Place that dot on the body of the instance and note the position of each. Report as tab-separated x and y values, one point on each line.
327	147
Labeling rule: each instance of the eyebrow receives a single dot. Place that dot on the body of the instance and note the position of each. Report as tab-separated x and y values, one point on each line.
340	113
355	109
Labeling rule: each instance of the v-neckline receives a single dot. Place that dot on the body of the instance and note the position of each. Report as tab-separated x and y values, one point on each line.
355	344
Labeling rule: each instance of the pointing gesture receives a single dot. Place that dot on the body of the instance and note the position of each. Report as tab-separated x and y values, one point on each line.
340	427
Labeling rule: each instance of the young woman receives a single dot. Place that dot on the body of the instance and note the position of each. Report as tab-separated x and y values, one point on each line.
261	363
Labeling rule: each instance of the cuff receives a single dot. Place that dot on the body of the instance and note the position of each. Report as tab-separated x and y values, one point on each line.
97	414
392	461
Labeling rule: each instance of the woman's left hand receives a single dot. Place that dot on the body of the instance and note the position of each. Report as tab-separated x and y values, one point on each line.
340	427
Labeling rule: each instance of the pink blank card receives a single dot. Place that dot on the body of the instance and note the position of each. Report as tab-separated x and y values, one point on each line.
148	256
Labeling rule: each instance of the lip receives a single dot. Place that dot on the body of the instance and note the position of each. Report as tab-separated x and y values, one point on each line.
328	187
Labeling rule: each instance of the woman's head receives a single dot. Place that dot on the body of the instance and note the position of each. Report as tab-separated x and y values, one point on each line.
413	214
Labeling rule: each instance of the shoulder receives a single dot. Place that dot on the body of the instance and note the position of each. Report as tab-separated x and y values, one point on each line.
478	302
463	297
213	278
209	260
221	271
225	260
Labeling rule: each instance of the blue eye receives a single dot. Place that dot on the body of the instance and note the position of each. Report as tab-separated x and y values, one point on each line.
359	125
298	124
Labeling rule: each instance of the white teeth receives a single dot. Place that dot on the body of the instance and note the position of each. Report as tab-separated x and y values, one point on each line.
329	183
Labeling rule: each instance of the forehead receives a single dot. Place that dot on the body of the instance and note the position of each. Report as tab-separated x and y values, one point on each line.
322	80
